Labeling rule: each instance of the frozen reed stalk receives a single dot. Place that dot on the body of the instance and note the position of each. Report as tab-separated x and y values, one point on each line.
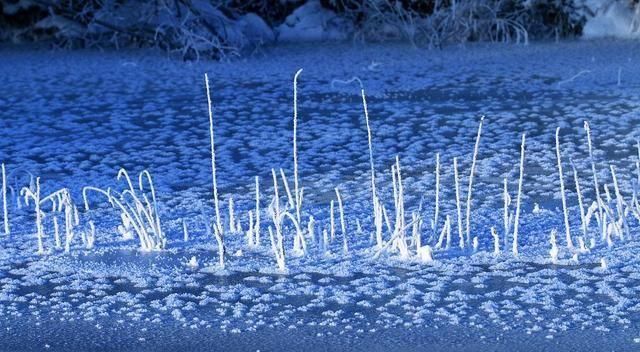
583	248
332	221
583	219
619	75
417	224
475	243
311	225
562	194
256	232
232	218
377	208
619	204
91	237
56	232
251	241
400	222
287	190
277	244
278	249
553	253
447	226
443	234
506	214
325	240
4	201
218	225
29	193
473	170
458	207
496	241
343	228
296	190
434	225
185	232
518	198
638	162
596	186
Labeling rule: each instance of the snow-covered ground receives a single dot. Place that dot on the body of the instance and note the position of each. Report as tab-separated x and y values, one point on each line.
75	118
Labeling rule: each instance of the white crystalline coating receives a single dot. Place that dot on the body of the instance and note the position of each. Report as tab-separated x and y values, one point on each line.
116	284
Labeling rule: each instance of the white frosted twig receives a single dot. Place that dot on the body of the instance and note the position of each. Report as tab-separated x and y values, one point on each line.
496	241
619	204
28	193
377	209
572	78
596	186
256	233
185	232
518	199
458	207
473	169
506	216
332	221
296	189
56	232
553	253
220	231
434	226
343	227
562	194
232	217
292	203
4	201
583	219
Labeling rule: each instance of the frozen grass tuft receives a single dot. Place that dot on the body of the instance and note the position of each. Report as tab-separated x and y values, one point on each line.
138	212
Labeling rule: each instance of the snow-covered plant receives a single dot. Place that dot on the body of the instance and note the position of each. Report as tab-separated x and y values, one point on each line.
277	238
425	254
416	230
553	252
377	207
311	228
519	197
232	217
343	228
218	231
185	231
445	234
285	182
596	185
34	195
296	188
4	201
620	206
250	230
565	211
399	232
458	207
471	174
256	231
434	223
138	212
507	216
332	220
496	241
583	219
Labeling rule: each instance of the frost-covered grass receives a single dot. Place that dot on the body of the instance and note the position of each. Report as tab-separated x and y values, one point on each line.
382	270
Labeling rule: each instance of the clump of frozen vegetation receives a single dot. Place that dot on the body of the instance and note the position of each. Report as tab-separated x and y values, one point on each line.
138	210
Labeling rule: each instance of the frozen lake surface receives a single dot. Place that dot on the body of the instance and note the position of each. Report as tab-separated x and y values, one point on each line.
75	118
